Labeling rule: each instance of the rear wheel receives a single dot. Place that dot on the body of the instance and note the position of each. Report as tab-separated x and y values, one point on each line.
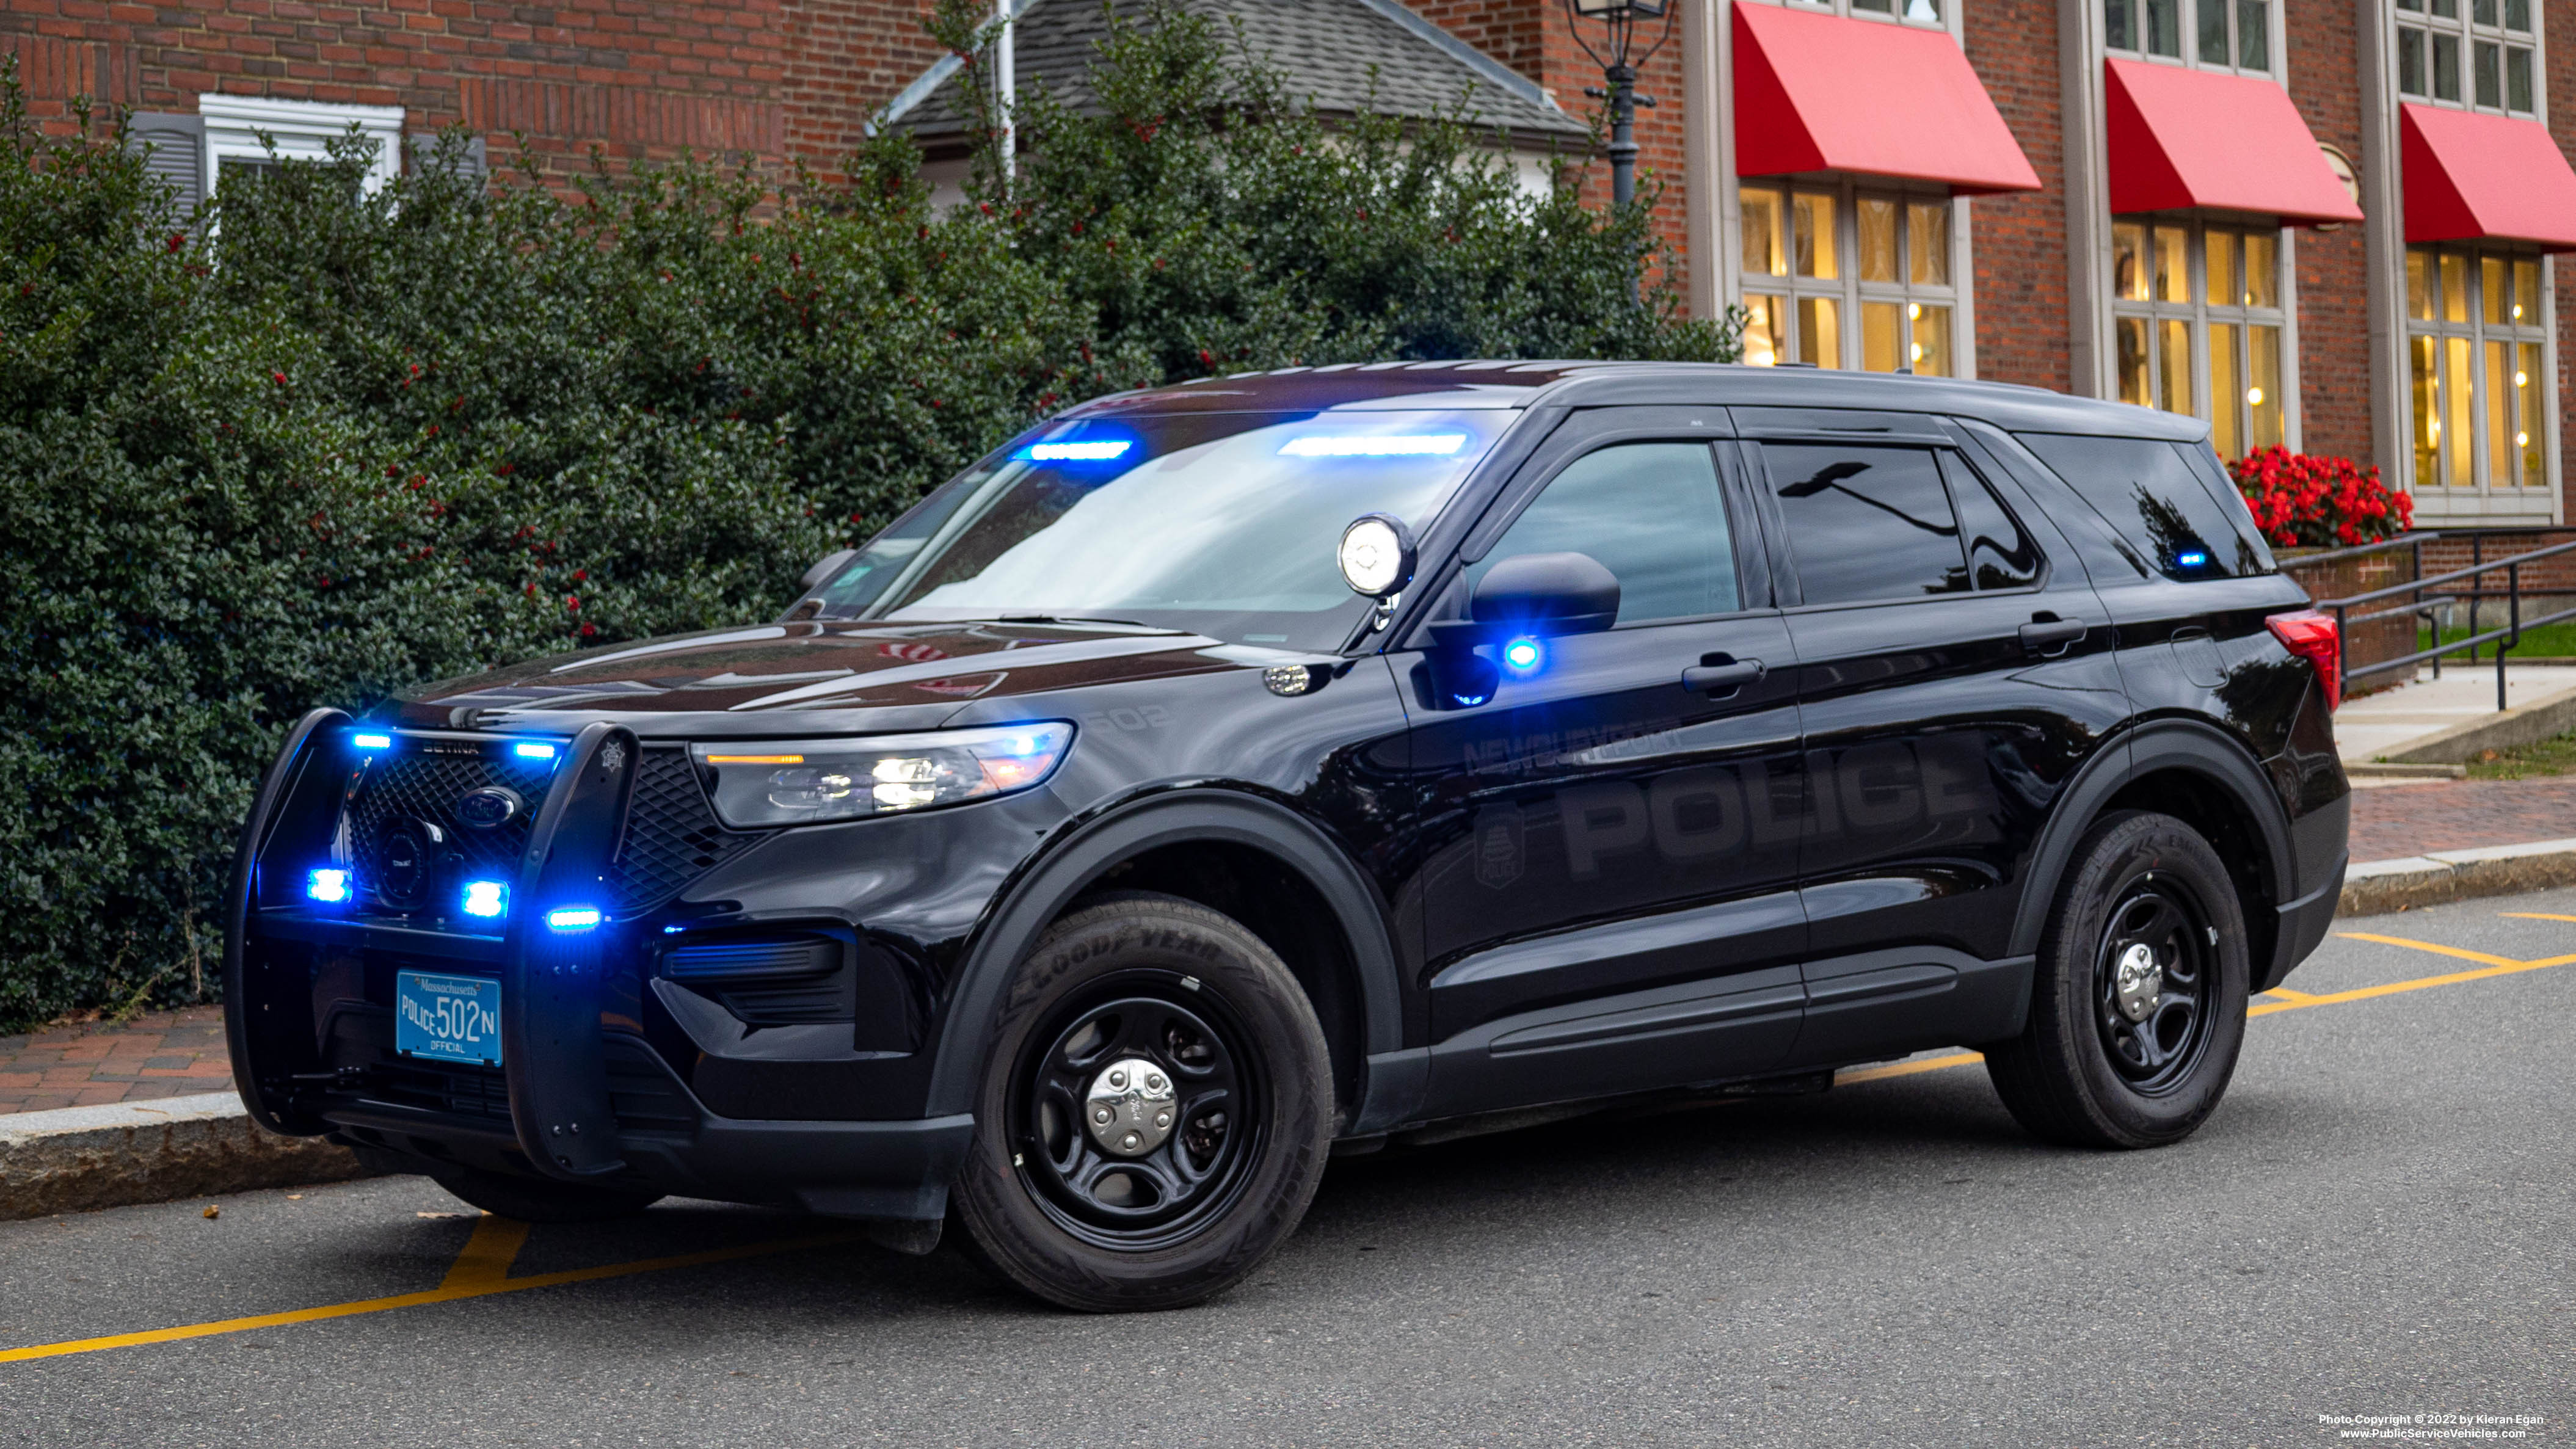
2138	1000
1155	1114
536	1200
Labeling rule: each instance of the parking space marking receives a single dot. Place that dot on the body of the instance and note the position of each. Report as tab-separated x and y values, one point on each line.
480	1271
482	1267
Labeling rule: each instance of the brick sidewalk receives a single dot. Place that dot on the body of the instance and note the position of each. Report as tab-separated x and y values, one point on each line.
161	1054
173	1054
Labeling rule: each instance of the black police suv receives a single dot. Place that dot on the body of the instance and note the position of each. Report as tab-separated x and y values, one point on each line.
1223	774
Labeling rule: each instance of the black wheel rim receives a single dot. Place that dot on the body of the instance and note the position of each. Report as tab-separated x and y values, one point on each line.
1138	1201
2154	979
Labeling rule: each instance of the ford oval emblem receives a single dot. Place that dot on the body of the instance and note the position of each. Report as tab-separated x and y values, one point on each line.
488	808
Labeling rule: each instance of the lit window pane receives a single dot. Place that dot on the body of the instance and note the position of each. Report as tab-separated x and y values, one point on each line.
2446	67
2517	78
2457	454
2173	264
2213	32
2128	261
2115	24
1765	245
2532	422
2420	284
2264	404
1927	242
2164	27
1820	332
2218	255
2526	293
2410	61
2262	269
2455	287
1881	336
1877	240
2225	432
2254	34
2486	72
2428	415
1766	333
1925	12
2133	362
2499	411
1815	235
2491	283
1931	350
2173	366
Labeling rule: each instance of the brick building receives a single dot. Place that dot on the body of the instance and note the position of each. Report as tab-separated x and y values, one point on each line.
2312	224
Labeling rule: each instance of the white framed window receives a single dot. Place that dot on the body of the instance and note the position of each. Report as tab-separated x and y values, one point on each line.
2208	34
1931	14
2477	381
2198	326
238	130
1851	275
2483	55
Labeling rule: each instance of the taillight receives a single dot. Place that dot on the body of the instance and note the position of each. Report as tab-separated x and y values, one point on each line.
2315	638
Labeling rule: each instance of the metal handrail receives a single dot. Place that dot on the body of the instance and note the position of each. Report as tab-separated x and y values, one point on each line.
2504	638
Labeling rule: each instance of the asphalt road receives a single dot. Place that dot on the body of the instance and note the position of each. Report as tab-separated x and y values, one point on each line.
2378	1221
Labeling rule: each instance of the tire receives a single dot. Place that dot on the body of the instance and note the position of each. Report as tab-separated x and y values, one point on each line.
536	1200
1131	1215
2141	1059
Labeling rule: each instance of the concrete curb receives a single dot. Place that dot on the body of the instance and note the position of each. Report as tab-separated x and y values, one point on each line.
2524	724
2376	886
79	1158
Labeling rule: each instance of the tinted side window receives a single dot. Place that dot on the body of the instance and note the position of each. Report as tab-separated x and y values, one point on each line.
1650	513
2147	491
2000	555
1866	523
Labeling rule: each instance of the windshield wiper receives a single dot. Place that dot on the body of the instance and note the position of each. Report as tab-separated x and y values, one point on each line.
1065	619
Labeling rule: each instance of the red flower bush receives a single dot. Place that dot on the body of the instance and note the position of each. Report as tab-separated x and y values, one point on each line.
2304	501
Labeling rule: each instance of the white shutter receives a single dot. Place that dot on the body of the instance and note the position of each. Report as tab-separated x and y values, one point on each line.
177	154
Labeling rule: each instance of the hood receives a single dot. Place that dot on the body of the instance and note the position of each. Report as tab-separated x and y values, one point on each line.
864	676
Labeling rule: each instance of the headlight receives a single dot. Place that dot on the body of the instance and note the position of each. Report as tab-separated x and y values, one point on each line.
801	782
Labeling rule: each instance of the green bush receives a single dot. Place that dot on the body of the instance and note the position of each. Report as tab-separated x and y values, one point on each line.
313	446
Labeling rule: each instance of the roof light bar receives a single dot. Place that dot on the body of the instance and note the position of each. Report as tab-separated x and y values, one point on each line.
1096	450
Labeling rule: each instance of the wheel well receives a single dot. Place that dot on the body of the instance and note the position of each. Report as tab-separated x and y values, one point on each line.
2208	808
1276	903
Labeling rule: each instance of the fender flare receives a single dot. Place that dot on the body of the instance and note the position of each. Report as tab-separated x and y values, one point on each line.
1175	818
2159	745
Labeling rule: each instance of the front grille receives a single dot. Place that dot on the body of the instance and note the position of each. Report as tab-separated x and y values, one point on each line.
672	834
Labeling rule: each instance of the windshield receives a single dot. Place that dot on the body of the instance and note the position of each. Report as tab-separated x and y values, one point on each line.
1220	523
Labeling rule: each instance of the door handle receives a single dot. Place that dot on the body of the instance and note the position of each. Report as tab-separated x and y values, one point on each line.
2049	636
1720	675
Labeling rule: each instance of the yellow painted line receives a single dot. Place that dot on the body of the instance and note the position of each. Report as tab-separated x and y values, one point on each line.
1907	1069
2535	916
480	1271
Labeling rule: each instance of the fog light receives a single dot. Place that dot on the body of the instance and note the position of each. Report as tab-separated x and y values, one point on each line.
330	887
573	918
486	898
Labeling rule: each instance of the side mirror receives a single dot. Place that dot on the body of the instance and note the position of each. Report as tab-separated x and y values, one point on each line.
1377	555
830	565
1538	595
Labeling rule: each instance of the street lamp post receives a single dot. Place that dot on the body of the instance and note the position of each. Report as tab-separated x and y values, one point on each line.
1619	69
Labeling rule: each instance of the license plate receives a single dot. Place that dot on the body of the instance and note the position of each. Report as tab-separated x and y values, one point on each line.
447	1018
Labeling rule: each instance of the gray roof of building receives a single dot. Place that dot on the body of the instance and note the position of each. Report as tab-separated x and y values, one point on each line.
1325	49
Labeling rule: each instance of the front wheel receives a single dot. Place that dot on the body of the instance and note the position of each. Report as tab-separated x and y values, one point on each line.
2137	1006
1155	1113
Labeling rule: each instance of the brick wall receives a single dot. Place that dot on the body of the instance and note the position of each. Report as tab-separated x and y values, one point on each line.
2019	240
2334	300
843	59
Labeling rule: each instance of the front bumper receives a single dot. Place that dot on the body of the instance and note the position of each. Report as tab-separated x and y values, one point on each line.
588	1092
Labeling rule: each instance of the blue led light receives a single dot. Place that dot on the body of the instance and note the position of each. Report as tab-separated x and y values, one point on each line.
372	742
2191	560
1470	701
1523	655
1382	445
536	752
574	918
330	887
486	898
1093	450
673	930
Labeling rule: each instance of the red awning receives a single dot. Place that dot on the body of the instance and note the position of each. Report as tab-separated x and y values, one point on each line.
2470	176
2184	138
1818	92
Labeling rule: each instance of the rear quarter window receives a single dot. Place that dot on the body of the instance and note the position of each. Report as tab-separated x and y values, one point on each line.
2161	502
